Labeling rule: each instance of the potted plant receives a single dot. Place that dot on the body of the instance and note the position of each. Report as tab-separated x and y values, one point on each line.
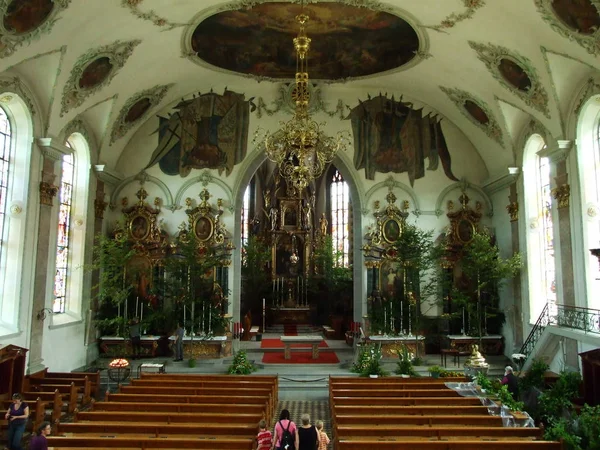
241	365
369	362
435	371
405	365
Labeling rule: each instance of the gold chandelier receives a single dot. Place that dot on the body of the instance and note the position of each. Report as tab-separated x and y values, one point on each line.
300	148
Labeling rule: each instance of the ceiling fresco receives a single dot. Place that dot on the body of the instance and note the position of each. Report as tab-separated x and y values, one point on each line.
579	15
347	41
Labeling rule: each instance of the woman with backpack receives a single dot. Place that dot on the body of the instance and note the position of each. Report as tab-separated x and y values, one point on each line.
285	436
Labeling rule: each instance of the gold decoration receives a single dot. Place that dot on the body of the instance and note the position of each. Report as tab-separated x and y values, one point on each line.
99	208
143	228
476	360
47	193
561	195
204	224
300	148
513	211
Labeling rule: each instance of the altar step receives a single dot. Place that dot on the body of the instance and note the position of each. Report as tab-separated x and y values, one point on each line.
300	329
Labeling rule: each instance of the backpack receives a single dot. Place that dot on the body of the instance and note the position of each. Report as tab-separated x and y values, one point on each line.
287	439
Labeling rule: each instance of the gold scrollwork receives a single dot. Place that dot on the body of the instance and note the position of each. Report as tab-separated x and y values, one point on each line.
561	194
99	208
513	211
47	193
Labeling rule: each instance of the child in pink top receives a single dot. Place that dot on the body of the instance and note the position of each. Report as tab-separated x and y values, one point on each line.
264	438
323	438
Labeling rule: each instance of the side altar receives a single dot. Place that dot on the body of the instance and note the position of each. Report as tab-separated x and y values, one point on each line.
204	347
490	345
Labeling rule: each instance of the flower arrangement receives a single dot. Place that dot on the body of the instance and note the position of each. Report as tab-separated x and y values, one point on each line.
118	363
241	365
369	361
405	362
435	371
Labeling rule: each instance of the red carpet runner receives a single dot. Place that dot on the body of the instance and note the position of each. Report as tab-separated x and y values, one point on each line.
290	330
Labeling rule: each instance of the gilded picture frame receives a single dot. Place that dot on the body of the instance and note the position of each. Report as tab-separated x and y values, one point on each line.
204	228
464	231
391	230
139	227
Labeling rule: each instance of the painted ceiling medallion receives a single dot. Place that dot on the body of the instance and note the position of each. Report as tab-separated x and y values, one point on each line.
516	73
348	41
578	20
477	111
22	21
93	71
136	109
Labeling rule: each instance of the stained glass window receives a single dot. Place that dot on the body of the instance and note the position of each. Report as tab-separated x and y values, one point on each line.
547	235
5	139
64	228
340	218
246	216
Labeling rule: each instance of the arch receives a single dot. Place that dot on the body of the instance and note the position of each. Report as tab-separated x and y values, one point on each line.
145	178
205	178
463	185
16	278
390	182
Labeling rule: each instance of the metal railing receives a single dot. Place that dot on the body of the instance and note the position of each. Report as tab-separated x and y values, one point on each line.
574	317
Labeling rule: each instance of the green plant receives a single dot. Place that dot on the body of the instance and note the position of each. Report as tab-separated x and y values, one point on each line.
483	381
192	362
256	255
589	427
562	430
558	399
534	378
417	361
451	374
404	365
435	371
369	361
241	365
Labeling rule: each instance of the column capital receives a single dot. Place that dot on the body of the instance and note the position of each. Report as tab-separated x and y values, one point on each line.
47	193
558	152
53	149
107	175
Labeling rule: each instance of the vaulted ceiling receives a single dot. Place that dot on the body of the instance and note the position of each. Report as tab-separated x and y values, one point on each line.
487	66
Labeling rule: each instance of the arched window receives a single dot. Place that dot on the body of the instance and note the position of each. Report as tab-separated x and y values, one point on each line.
72	233
540	237
5	144
64	227
340	218
246	216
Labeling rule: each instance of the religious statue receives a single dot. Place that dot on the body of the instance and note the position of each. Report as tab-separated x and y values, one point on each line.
307	217
274	214
323	223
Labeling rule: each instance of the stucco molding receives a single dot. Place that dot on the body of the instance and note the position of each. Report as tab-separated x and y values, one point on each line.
108	176
463	186
141	179
14	85
11	41
391	183
205	178
492	129
491	55
283	102
77	125
118	52
151	15
155	95
452	19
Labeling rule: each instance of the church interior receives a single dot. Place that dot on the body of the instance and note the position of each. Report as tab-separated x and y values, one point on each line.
389	181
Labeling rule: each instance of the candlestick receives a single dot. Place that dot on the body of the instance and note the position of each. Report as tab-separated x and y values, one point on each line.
209	315
384	319
401	317
463	322
142	312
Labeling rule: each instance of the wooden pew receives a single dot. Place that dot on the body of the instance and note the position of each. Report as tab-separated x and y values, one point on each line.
238	408
407	401
139	442
83	384
392	382
165	417
390	392
411	410
68	377
463	444
158	429
443	432
70	393
453	419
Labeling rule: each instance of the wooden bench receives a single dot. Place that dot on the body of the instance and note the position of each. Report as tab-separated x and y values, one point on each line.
398	401
314	342
443	432
453	419
463	444
411	410
247	429
140	442
394	392
68	377
43	384
240	408
70	393
166	417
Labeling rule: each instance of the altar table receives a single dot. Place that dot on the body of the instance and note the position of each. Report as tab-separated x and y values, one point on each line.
197	347
492	344
391	345
314	341
120	346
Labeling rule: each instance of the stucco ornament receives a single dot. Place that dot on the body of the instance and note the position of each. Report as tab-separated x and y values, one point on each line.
454	18
11	39
494	57
117	54
14	85
153	95
591	42
77	125
151	15
460	98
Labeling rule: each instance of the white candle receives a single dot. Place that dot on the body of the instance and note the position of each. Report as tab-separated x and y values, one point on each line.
264	306
384	319
463	324
142	312
137	305
209	314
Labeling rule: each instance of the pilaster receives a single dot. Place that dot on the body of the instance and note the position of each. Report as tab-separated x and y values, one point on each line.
513	211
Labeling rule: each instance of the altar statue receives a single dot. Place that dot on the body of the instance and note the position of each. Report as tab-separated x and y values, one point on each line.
323	223
274	214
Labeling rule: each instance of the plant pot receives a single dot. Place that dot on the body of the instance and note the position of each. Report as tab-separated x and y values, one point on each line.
191	362
373	376
405	375
258	337
435	375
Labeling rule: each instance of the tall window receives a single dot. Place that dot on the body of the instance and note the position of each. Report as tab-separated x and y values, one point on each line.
340	218
547	234
64	229
5	139
246	216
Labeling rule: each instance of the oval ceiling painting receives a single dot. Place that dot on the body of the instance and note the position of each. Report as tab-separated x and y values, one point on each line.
95	72
476	112
347	41
579	15
137	110
23	16
514	74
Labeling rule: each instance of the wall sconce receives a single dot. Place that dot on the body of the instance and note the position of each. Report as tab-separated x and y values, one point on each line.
41	315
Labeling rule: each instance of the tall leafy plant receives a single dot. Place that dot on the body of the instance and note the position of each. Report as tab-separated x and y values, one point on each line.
256	256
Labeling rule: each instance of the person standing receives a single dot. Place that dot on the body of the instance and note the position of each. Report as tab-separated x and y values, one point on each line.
323	438
39	441
307	434
511	381
136	340
264	438
17	415
179	342
285	436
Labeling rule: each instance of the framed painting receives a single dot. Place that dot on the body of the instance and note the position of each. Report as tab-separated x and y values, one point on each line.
139	227
390	230
290	214
465	229
203	228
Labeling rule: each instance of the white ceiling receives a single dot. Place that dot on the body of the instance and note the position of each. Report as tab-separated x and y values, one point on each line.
562	64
